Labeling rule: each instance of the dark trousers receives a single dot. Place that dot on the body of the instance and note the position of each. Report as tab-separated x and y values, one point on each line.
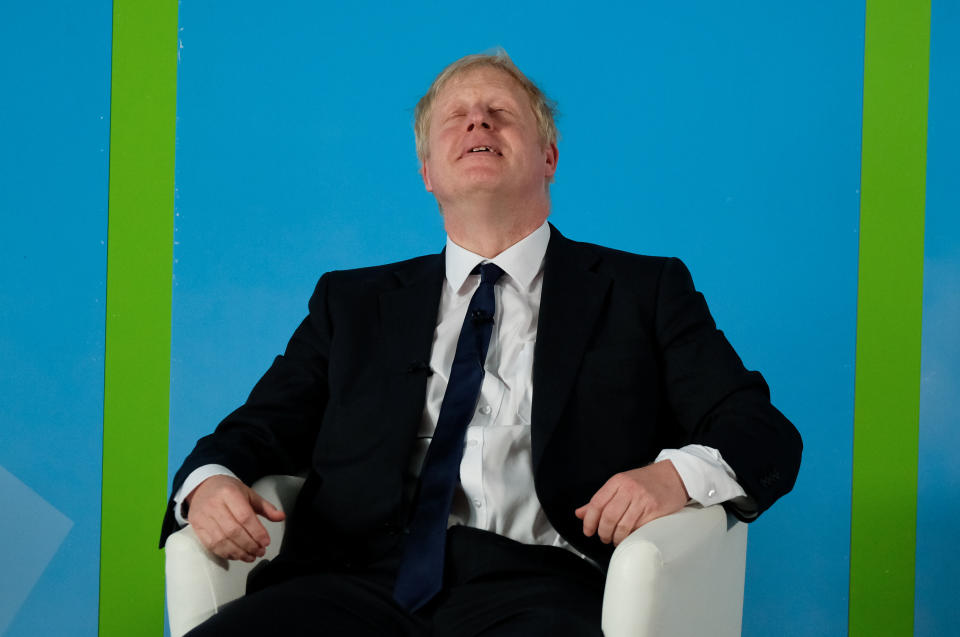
493	587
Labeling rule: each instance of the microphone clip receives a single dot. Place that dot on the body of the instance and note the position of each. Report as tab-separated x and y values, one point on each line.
419	366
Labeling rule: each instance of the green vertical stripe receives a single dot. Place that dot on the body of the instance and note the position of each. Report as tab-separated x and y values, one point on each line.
883	519
139	275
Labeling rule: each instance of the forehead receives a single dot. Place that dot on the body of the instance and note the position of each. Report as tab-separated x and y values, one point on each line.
481	82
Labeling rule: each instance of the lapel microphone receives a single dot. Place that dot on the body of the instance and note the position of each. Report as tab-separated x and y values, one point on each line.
419	366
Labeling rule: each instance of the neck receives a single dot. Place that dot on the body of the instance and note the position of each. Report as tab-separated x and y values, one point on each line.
488	228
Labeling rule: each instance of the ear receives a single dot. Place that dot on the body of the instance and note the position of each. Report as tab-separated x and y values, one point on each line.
551	155
425	174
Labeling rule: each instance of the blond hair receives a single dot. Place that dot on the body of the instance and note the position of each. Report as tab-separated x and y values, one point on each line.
544	108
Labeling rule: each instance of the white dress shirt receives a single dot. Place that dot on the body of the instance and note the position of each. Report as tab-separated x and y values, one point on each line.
496	491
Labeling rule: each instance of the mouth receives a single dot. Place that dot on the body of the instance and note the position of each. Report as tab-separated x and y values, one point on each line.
478	150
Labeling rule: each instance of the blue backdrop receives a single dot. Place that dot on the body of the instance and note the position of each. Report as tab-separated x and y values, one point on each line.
938	488
728	135
55	74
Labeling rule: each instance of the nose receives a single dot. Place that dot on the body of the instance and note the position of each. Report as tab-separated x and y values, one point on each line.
477	119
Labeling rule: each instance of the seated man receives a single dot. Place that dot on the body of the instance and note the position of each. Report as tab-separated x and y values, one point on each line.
480	427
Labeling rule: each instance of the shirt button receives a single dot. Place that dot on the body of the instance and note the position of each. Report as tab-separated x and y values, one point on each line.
478	504
711	493
485	410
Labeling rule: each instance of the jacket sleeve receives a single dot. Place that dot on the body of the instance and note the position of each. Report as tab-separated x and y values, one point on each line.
273	432
716	401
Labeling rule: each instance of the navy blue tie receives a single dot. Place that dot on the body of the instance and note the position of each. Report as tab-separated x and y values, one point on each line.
420	574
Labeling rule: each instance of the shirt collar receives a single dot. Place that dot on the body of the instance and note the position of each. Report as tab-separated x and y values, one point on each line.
521	261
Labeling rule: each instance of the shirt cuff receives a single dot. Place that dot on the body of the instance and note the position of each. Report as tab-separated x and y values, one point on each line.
193	481
706	476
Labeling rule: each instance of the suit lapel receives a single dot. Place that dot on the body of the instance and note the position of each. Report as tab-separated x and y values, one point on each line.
571	302
408	315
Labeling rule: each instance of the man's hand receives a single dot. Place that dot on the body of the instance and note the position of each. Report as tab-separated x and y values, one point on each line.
630	499
223	513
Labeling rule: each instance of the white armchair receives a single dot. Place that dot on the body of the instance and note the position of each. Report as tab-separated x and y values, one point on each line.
678	576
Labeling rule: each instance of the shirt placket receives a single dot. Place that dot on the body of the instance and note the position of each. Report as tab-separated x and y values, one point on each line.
487	411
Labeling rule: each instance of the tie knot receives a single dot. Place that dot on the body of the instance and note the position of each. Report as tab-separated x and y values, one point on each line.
489	272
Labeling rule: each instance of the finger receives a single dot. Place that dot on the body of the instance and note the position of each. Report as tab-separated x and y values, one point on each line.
245	528
228	549
605	493
594	509
628	523
240	506
232	528
612	513
591	517
212	536
264	507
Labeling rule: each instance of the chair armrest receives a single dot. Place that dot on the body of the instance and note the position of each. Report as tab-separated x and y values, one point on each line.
198	582
679	575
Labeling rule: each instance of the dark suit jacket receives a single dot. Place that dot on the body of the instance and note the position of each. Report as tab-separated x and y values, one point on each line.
627	362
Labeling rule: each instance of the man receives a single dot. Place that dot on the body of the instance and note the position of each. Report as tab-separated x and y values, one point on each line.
539	397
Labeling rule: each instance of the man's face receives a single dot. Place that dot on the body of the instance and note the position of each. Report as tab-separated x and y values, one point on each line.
483	138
